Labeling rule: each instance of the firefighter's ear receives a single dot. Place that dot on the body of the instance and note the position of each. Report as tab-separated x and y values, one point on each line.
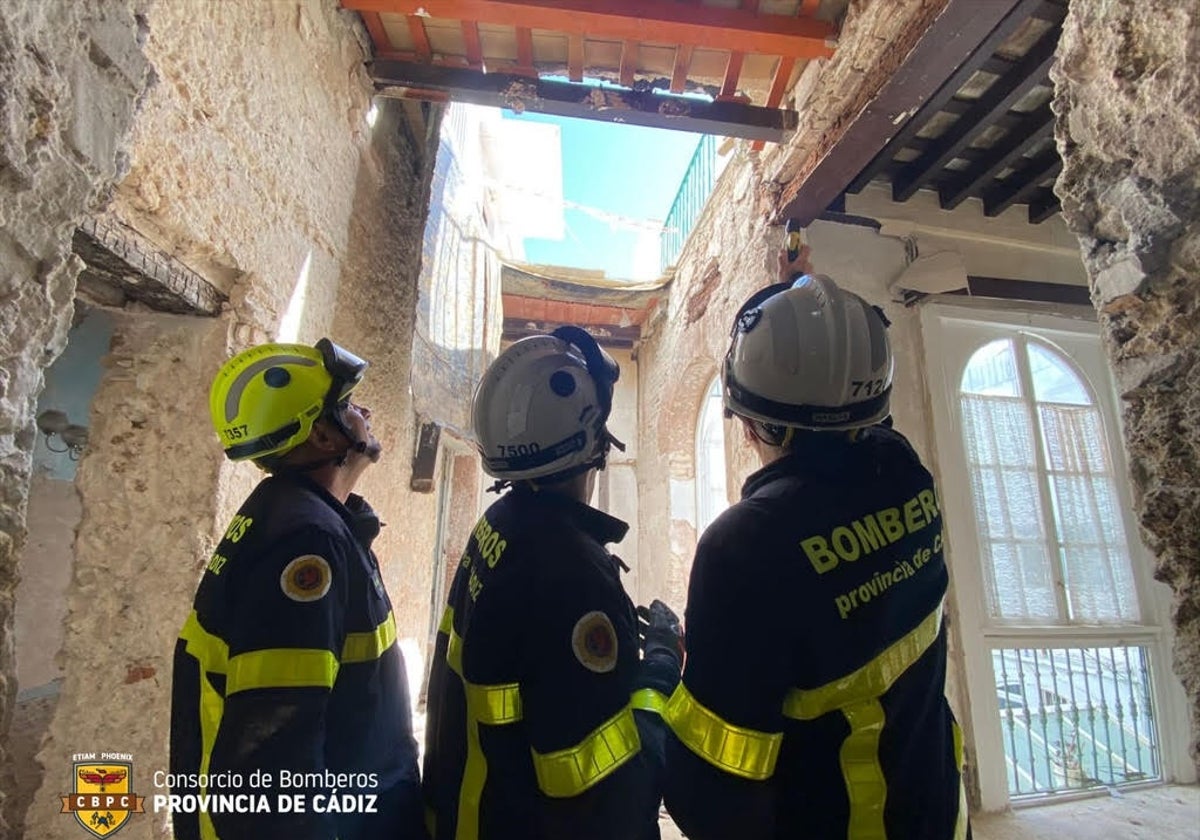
324	437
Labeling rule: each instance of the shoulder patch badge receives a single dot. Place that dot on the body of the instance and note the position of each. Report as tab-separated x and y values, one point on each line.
594	642
307	578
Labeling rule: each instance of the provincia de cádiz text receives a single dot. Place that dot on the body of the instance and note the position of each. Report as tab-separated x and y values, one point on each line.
263	792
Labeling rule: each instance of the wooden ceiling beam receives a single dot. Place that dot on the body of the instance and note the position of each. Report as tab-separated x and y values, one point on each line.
1042	205
629	60
808	8
1035	128
416	29
1018	186
634	20
981	47
474	49
783	74
683	62
1005	92
954	37
733	71
648	108
575	58
379	36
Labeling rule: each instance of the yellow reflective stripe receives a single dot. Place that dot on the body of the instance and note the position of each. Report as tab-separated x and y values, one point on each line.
572	771
494	704
866	786
281	668
648	700
212	654
447	621
369	646
735	749
960	824
470	793
868	682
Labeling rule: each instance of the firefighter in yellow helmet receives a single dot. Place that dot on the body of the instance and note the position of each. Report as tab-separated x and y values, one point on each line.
812	704
288	663
543	705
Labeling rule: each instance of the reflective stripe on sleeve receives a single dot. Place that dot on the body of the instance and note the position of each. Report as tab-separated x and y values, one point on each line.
369	646
735	749
648	700
494	704
572	771
281	668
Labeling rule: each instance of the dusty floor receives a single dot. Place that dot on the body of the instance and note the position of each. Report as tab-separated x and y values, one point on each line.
1162	813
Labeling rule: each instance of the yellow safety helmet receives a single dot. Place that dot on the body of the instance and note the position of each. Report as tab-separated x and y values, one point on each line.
265	400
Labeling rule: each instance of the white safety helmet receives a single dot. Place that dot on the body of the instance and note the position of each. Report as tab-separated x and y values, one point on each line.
541	408
809	355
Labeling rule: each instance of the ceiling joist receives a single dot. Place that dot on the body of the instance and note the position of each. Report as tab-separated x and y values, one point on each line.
712	27
956	38
647	108
1035	128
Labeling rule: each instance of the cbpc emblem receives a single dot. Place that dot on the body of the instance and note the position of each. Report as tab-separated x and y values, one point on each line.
103	797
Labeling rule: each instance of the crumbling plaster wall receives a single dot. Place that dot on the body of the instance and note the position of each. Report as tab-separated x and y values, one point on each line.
253	163
71	73
1133	196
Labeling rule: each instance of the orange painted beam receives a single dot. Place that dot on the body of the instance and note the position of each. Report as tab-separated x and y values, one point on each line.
575	58
378	34
416	28
524	47
783	73
808	8
733	71
683	63
635	20
470	31
629	60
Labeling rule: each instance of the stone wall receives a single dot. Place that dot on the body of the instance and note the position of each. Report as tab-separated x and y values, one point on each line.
1133	196
71	73
254	165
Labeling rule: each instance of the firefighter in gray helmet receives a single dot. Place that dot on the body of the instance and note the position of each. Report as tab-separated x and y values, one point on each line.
547	686
820	712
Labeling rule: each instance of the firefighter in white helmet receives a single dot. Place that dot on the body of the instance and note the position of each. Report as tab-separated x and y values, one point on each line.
543	716
812	703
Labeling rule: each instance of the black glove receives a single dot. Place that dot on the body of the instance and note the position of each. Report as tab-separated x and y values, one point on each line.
659	630
661	638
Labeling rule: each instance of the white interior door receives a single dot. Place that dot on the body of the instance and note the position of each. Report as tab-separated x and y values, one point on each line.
1064	632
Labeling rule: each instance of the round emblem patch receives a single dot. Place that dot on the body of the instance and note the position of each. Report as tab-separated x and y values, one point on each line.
595	642
307	578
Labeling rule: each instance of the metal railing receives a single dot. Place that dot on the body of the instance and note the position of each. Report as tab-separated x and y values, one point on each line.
1076	718
694	189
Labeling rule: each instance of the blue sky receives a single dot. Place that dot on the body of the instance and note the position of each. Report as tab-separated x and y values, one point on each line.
621	169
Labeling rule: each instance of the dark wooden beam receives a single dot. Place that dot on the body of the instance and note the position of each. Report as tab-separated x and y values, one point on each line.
936	78
1006	91
952	39
729	119
1022	183
1042	205
1035	128
634	20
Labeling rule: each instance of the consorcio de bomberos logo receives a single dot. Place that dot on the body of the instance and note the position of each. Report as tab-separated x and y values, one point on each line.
102	796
